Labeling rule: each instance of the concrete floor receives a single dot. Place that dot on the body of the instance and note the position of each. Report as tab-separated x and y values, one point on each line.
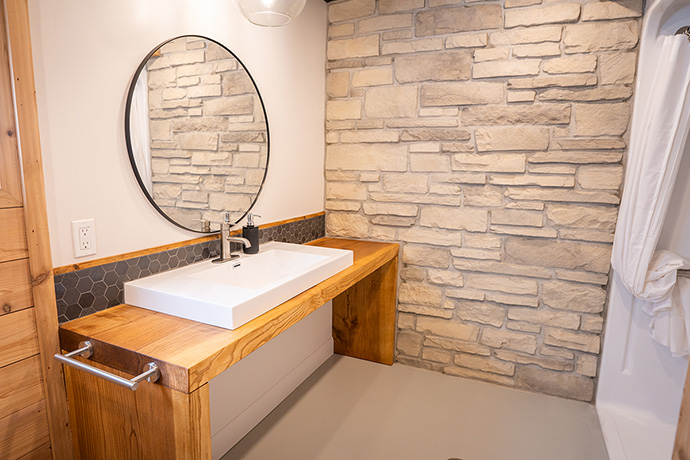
357	410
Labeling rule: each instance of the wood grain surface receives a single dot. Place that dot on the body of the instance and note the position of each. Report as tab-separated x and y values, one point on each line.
364	317
18	339
15	286
10	175
13	244
191	353
21	385
24	432
36	223
113	422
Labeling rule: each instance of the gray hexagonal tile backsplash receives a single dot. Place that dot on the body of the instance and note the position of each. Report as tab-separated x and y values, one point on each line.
82	292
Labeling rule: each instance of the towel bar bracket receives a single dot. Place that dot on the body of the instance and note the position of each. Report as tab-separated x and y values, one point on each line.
151	372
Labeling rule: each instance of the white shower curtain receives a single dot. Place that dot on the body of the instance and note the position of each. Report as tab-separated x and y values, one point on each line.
660	124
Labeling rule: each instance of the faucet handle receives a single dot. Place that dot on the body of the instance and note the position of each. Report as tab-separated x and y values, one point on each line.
205	224
250	219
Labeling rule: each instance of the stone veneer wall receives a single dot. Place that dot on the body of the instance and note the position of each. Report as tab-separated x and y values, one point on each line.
487	138
208	132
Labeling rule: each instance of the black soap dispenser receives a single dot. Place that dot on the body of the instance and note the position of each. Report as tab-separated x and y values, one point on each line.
251	233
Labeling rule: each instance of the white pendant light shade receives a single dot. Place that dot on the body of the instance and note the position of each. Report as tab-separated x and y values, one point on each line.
270	13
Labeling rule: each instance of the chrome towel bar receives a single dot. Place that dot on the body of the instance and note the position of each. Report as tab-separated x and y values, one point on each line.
151	374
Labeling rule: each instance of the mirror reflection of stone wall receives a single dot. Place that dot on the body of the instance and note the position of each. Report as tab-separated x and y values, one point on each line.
209	146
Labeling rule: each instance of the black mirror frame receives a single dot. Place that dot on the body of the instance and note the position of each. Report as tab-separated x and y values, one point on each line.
128	139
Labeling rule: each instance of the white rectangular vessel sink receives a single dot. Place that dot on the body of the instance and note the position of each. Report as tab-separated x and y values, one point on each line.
235	292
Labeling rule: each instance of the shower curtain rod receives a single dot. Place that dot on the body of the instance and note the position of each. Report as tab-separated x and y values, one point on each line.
685	31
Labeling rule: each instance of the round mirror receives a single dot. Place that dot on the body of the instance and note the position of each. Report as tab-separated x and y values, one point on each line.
196	132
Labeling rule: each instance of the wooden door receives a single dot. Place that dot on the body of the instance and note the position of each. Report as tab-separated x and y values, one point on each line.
33	410
23	419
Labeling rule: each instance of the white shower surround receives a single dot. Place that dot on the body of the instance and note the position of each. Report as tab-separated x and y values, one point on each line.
641	384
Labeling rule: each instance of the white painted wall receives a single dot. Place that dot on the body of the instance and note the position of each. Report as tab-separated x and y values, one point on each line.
85	53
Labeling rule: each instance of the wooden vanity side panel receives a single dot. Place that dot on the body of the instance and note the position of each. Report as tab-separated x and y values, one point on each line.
364	316
112	422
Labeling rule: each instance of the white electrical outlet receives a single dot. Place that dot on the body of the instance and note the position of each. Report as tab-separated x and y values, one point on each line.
83	237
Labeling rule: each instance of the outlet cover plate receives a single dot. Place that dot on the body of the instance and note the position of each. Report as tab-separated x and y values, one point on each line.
83	237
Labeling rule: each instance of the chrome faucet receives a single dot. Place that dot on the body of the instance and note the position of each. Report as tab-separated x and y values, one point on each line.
225	240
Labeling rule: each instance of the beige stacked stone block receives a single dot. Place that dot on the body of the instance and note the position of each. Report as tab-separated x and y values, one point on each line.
521	96
582	256
396	6
463	93
583	38
598	11
347	224
609	93
341	30
601	119
511	138
492	162
467	40
409	344
481	312
600	177
420	294
519	3
353	47
589	217
510	340
506	68
545	363
563	295
541	180
446	277
458	19
548	14
507	284
526	35
343	110
581	63
454	218
372	77
617	69
442	66
491	54
539	114
572	340
379	23
386	102
446	328
484	364
350	9
554	81
403	47
488	139
555	383
366	157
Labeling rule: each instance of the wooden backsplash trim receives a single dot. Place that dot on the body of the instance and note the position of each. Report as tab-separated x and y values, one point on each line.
166	247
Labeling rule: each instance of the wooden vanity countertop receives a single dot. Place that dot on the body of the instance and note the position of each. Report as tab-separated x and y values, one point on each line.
190	353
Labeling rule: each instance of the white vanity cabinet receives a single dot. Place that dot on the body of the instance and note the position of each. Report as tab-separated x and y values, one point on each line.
247	392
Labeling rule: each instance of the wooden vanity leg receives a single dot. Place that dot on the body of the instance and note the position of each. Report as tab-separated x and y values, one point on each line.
112	422
364	317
